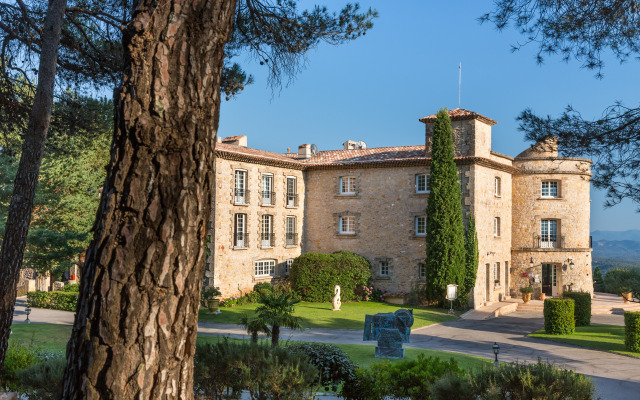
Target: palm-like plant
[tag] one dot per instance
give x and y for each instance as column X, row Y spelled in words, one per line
column 254, row 325
column 277, row 311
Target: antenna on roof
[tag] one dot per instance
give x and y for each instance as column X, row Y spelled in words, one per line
column 459, row 83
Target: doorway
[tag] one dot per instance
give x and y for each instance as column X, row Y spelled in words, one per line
column 550, row 279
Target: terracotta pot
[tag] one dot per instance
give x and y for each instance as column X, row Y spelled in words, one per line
column 526, row 297
column 542, row 296
column 626, row 296
column 213, row 305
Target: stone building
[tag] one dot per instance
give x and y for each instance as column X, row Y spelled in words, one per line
column 531, row 211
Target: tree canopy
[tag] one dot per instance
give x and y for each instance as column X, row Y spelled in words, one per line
column 584, row 31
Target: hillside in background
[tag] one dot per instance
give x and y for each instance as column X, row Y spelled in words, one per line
column 616, row 249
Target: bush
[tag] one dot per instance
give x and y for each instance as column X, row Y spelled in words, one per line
column 18, row 357
column 526, row 289
column 314, row 275
column 267, row 287
column 623, row 280
column 582, row 311
column 73, row 288
column 410, row 379
column 559, row 316
column 224, row 369
column 58, row 300
column 333, row 365
column 43, row 380
column 632, row 330
column 516, row 382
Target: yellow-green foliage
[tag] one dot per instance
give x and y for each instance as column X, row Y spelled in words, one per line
column 559, row 316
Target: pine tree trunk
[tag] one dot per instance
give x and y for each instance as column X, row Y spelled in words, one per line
column 24, row 189
column 136, row 322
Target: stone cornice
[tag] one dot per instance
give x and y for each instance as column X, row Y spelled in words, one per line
column 260, row 160
column 551, row 250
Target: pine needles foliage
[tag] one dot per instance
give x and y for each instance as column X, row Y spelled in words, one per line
column 445, row 229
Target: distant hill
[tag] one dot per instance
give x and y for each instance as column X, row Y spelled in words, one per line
column 633, row 234
column 621, row 250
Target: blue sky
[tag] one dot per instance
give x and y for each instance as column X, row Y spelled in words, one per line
column 375, row 88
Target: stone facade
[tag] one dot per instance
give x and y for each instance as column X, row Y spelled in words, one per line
column 370, row 202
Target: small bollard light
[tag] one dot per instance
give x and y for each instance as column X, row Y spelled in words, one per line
column 27, row 311
column 496, row 351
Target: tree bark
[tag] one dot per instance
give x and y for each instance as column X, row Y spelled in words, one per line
column 21, row 206
column 275, row 335
column 136, row 321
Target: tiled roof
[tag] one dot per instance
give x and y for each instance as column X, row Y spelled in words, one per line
column 230, row 149
column 460, row 114
column 376, row 154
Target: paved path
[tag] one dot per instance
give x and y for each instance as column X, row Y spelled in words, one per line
column 615, row 376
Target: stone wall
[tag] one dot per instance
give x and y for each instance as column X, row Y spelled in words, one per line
column 232, row 269
column 571, row 211
column 385, row 207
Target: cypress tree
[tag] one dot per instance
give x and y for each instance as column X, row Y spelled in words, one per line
column 472, row 256
column 445, row 229
column 598, row 280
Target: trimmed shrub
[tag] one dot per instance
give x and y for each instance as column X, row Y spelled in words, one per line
column 223, row 370
column 559, row 316
column 410, row 379
column 632, row 330
column 516, row 382
column 334, row 366
column 314, row 275
column 57, row 300
column 73, row 287
column 582, row 311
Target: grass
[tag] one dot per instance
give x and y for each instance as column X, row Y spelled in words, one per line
column 599, row 337
column 53, row 338
column 320, row 315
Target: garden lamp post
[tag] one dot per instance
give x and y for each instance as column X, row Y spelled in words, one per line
column 496, row 351
column 452, row 294
column 27, row 311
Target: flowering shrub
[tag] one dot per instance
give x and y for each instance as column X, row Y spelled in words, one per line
column 369, row 293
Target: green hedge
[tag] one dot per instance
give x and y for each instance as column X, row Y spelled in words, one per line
column 57, row 300
column 559, row 316
column 632, row 330
column 582, row 307
column 314, row 275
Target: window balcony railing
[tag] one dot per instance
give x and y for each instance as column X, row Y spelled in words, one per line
column 548, row 242
column 291, row 239
column 292, row 200
column 267, row 240
column 268, row 198
column 241, row 196
column 241, row 240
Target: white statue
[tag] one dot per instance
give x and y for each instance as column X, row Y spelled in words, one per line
column 336, row 299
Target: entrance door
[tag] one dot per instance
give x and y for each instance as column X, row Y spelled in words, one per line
column 549, row 279
column 488, row 287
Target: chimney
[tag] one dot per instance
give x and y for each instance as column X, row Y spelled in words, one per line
column 240, row 140
column 353, row 145
column 218, row 139
column 304, row 151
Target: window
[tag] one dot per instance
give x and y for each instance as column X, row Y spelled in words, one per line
column 384, row 268
column 549, row 189
column 549, row 233
column 287, row 266
column 496, row 227
column 348, row 225
column 266, row 235
column 292, row 192
column 496, row 272
column 422, row 183
column 348, row 185
column 240, row 192
column 240, row 231
column 421, row 225
column 422, row 270
column 497, row 186
column 267, row 189
column 290, row 231
column 265, row 267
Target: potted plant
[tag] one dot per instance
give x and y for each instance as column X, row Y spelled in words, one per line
column 496, row 282
column 526, row 293
column 626, row 293
column 210, row 296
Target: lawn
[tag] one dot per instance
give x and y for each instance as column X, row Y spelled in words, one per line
column 53, row 338
column 599, row 337
column 320, row 315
